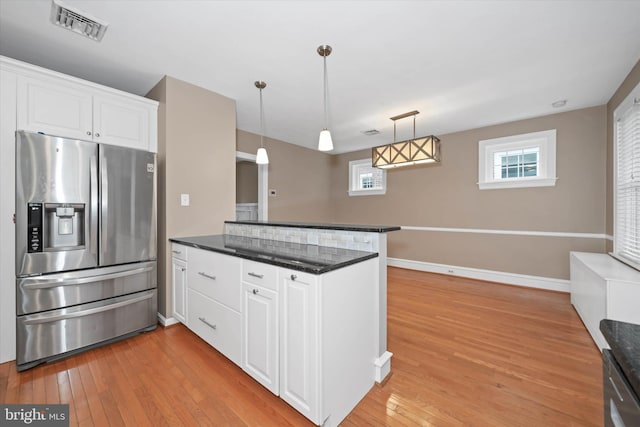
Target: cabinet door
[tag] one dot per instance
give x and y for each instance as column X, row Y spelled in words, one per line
column 119, row 121
column 260, row 335
column 179, row 279
column 54, row 108
column 299, row 349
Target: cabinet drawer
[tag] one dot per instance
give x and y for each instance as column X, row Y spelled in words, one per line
column 216, row 276
column 260, row 274
column 216, row 324
column 179, row 251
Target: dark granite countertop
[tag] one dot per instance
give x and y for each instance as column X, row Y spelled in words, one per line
column 308, row 258
column 323, row 226
column 624, row 340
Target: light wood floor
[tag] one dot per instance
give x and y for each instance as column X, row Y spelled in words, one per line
column 465, row 353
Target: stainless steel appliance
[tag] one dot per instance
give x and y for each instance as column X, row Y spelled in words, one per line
column 85, row 245
column 621, row 403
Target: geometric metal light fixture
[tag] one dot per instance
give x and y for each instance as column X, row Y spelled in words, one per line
column 324, row 141
column 414, row 151
column 261, row 156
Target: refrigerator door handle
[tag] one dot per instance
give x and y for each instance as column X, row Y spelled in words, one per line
column 104, row 182
column 47, row 318
column 42, row 283
column 93, row 236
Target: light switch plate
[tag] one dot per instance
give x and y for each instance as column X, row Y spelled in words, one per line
column 184, row 200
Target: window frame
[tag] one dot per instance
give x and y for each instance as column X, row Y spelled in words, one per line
column 618, row 252
column 544, row 140
column 354, row 173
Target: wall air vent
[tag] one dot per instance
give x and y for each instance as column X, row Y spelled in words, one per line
column 371, row 132
column 77, row 21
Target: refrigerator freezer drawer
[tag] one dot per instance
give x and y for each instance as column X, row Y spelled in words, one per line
column 53, row 291
column 44, row 335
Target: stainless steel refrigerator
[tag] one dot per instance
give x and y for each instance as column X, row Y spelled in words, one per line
column 85, row 245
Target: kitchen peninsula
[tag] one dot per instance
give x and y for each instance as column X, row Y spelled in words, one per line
column 301, row 307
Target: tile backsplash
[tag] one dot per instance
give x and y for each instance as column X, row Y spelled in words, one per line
column 357, row 240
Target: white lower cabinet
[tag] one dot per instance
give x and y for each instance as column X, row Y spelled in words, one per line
column 299, row 352
column 603, row 288
column 328, row 340
column 213, row 300
column 310, row 339
column 260, row 323
column 179, row 277
column 216, row 324
column 260, row 335
column 179, row 280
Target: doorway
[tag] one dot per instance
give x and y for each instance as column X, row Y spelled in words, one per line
column 249, row 184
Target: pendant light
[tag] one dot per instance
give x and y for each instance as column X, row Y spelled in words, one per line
column 413, row 151
column 324, row 142
column 261, row 157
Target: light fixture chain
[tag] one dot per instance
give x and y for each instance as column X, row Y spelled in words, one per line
column 414, row 127
column 326, row 124
column 261, row 121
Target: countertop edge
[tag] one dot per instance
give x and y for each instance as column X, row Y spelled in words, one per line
column 316, row 271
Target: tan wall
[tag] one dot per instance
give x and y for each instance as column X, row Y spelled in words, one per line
column 196, row 155
column 246, row 182
column 300, row 176
column 447, row 195
column 630, row 82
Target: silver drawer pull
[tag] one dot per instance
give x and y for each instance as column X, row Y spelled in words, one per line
column 616, row 389
column 203, row 320
column 177, row 252
column 203, row 274
column 259, row 276
column 294, row 277
column 255, row 291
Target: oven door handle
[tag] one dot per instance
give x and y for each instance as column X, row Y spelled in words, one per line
column 48, row 318
column 46, row 283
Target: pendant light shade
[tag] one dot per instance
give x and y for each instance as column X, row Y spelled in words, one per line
column 261, row 157
column 324, row 142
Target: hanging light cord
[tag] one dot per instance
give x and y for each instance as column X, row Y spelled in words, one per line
column 324, row 57
column 261, row 121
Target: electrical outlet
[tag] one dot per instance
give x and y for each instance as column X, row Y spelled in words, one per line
column 184, row 200
column 272, row 192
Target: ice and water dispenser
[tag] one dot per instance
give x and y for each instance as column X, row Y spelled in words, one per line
column 55, row 226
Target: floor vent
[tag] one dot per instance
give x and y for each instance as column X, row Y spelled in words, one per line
column 76, row 21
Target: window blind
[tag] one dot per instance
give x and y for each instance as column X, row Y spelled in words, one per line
column 626, row 236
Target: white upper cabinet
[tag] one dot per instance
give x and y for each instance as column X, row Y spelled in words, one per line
column 54, row 108
column 60, row 105
column 121, row 122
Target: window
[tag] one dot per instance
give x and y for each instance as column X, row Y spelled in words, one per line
column 626, row 187
column 527, row 160
column 365, row 180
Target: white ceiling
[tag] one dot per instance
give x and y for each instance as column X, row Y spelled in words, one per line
column 462, row 64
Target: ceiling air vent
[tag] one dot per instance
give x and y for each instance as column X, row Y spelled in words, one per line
column 371, row 132
column 77, row 21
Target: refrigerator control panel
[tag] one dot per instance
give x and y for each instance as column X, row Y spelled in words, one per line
column 34, row 228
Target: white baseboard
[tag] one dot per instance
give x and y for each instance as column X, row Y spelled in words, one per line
column 490, row 275
column 382, row 366
column 164, row 321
